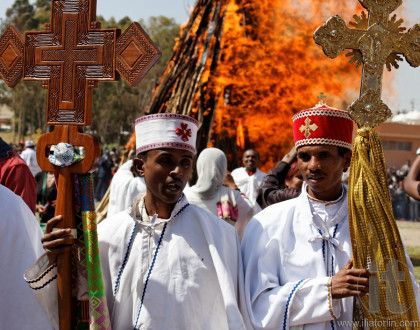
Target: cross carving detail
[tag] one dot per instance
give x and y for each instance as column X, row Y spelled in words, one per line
column 308, row 127
column 68, row 56
column 71, row 58
column 377, row 41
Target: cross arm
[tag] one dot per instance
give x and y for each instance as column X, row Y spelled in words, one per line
column 334, row 36
column 409, row 46
column 11, row 56
column 135, row 54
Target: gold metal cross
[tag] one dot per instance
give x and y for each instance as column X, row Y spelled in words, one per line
column 377, row 41
column 308, row 127
column 321, row 97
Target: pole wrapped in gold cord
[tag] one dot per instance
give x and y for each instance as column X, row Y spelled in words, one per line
column 375, row 238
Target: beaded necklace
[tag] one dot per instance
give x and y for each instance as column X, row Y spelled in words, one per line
column 148, row 275
column 127, row 254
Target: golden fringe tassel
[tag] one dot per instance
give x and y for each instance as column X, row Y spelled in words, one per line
column 376, row 241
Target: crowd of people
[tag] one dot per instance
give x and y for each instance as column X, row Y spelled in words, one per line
column 405, row 207
column 236, row 250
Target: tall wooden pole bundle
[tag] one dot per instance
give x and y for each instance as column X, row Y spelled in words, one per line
column 185, row 85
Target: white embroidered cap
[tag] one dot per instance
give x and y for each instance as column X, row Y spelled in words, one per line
column 166, row 130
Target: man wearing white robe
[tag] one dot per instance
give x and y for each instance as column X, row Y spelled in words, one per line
column 29, row 156
column 166, row 264
column 20, row 246
column 249, row 178
column 297, row 253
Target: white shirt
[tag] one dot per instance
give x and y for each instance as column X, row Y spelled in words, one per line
column 290, row 250
column 196, row 281
column 20, row 246
column 249, row 184
column 29, row 156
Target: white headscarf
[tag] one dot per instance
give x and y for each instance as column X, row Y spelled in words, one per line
column 211, row 171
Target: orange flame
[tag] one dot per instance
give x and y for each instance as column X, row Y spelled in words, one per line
column 271, row 68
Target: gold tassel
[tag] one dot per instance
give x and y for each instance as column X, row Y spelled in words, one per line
column 376, row 240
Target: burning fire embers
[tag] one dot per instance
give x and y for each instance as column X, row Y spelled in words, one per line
column 243, row 68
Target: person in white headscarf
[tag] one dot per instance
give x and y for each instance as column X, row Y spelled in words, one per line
column 125, row 186
column 210, row 194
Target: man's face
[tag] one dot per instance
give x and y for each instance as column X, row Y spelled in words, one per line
column 250, row 160
column 166, row 172
column 322, row 167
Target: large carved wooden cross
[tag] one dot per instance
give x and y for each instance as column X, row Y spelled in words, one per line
column 376, row 41
column 71, row 56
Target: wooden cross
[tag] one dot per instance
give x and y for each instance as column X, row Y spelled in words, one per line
column 376, row 41
column 70, row 57
column 308, row 127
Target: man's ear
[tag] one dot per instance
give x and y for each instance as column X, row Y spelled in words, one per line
column 139, row 165
column 347, row 160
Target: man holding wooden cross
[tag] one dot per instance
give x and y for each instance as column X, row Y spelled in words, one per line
column 166, row 263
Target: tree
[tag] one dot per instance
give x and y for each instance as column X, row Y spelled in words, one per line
column 28, row 100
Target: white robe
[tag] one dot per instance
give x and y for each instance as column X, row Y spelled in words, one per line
column 287, row 264
column 124, row 187
column 196, row 281
column 20, row 246
column 249, row 184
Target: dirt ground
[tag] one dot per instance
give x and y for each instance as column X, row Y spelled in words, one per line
column 410, row 232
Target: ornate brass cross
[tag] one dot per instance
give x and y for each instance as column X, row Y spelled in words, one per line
column 321, row 97
column 70, row 57
column 308, row 127
column 376, row 41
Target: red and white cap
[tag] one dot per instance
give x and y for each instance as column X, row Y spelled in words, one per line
column 166, row 130
column 323, row 125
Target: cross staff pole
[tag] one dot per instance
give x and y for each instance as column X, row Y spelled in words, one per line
column 376, row 243
column 70, row 57
column 65, row 201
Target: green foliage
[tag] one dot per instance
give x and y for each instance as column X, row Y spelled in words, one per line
column 22, row 16
column 115, row 105
column 163, row 30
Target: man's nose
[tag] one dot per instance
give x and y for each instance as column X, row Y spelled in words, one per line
column 177, row 171
column 314, row 164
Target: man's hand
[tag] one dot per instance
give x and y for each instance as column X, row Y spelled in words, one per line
column 349, row 282
column 56, row 242
column 229, row 181
column 40, row 209
column 291, row 156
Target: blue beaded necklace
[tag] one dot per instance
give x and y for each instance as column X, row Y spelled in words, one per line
column 148, row 275
column 127, row 254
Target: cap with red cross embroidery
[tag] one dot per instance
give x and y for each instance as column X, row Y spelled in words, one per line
column 323, row 125
column 166, row 130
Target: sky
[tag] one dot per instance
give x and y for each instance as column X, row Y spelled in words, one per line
column 406, row 85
